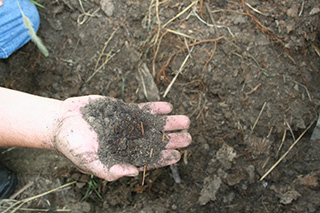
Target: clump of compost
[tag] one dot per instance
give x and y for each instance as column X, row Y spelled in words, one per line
column 126, row 133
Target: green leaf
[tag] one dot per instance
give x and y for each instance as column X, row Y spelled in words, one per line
column 36, row 3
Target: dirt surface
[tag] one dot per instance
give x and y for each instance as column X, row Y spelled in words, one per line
column 245, row 72
column 126, row 133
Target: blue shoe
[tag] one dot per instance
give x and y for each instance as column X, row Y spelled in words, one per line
column 8, row 182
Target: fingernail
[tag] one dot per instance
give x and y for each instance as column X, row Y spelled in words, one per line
column 132, row 175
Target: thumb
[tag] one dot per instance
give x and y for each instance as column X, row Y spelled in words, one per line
column 120, row 170
column 115, row 172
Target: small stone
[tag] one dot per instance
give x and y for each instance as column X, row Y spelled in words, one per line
column 264, row 183
column 234, row 179
column 314, row 11
column 80, row 185
column 74, row 16
column 107, row 6
column 288, row 197
column 84, row 178
column 225, row 156
column 75, row 176
column 240, row 19
column 210, row 189
column 174, row 207
column 228, row 198
column 250, row 170
column 106, row 205
column 293, row 11
column 106, row 120
column 244, row 186
column 206, row 146
column 81, row 207
column 309, row 180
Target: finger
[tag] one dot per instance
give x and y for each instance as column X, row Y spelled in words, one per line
column 157, row 107
column 178, row 140
column 98, row 169
column 115, row 172
column 169, row 156
column 120, row 170
column 176, row 122
column 1, row 3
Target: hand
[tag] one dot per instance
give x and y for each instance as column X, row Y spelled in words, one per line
column 1, row 3
column 74, row 138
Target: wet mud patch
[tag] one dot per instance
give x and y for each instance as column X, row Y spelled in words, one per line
column 126, row 133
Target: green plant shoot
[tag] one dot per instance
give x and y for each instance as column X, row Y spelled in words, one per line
column 33, row 34
column 36, row 3
column 92, row 187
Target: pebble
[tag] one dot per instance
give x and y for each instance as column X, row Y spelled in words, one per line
column 107, row 6
column 264, row 183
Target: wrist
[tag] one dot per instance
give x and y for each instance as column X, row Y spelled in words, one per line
column 27, row 120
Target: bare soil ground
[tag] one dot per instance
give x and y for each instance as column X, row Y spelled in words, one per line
column 245, row 72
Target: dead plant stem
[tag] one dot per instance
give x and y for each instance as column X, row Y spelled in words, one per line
column 176, row 76
column 179, row 14
column 260, row 113
column 287, row 152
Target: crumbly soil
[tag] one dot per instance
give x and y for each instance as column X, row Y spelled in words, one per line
column 249, row 95
column 126, row 133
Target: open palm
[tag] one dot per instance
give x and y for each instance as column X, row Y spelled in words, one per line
column 77, row 141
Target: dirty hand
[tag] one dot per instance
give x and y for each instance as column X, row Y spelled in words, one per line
column 77, row 141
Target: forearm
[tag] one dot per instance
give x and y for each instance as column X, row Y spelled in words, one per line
column 27, row 120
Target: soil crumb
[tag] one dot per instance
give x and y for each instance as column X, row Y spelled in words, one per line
column 126, row 133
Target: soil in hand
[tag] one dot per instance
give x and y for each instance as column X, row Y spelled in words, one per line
column 126, row 133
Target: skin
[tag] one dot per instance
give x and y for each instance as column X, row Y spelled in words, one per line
column 36, row 122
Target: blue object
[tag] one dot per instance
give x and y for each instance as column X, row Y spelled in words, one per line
column 316, row 132
column 8, row 181
column 13, row 33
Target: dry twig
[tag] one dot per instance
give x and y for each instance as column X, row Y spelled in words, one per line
column 175, row 77
column 309, row 96
column 264, row 29
column 301, row 10
column 181, row 13
column 20, row 203
column 211, row 56
column 144, row 174
column 21, row 190
column 287, row 152
column 254, row 9
column 212, row 19
column 255, row 123
column 108, row 57
column 288, row 125
column 228, row 10
column 162, row 70
column 85, row 14
column 142, row 129
column 283, row 138
column 180, row 34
